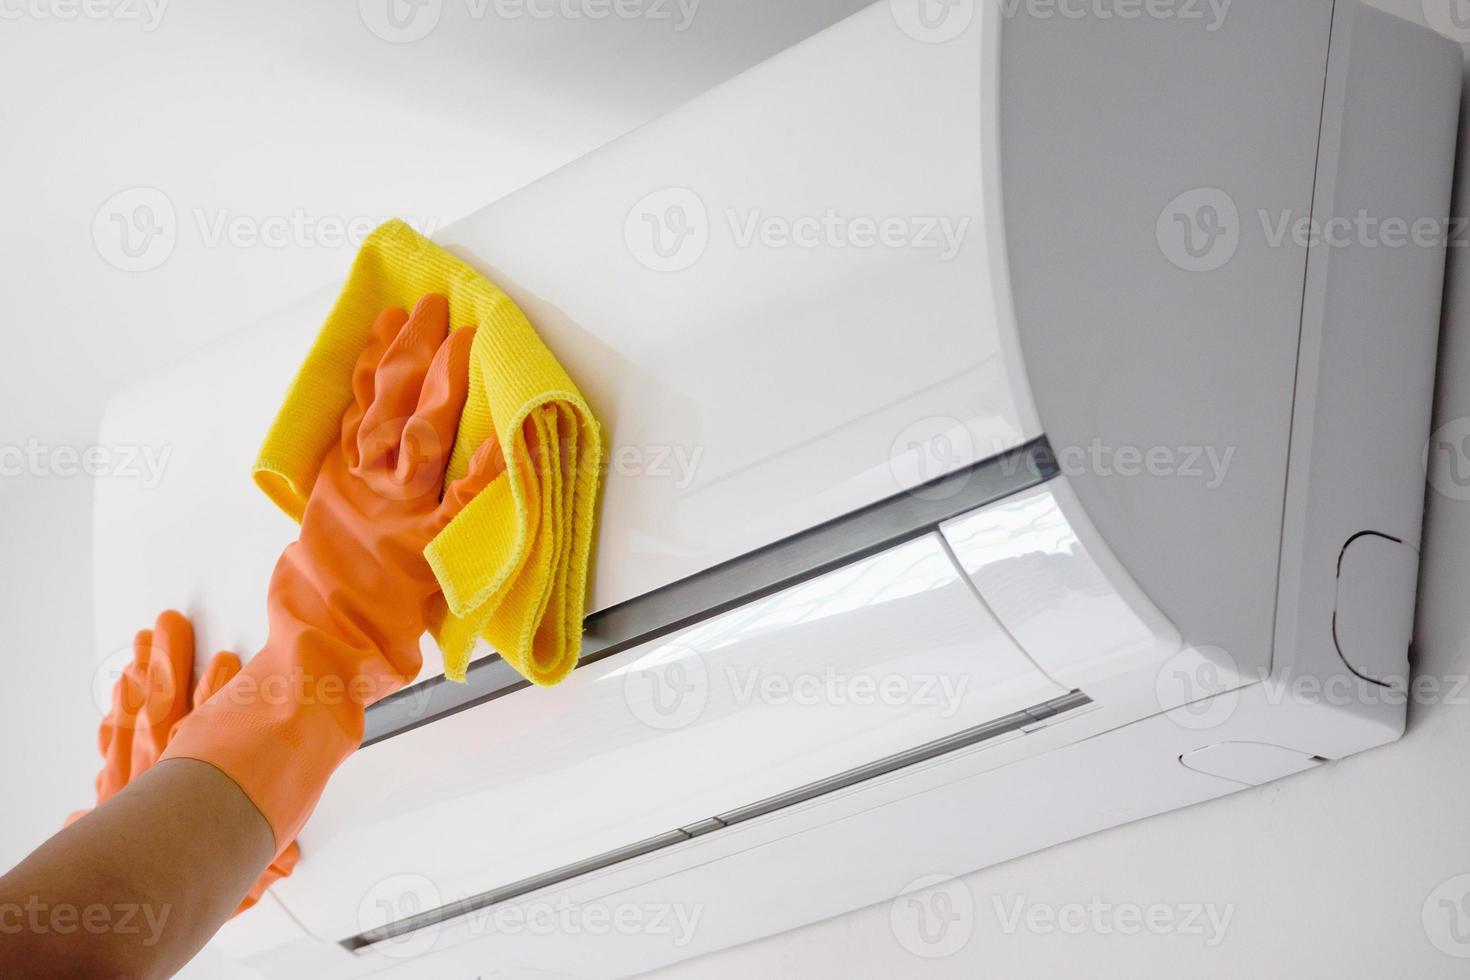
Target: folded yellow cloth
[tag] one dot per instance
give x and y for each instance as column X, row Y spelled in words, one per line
column 513, row 564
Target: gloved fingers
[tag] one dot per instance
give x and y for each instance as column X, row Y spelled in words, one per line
column 132, row 686
column 113, row 775
column 385, row 328
column 129, row 697
column 428, row 437
column 130, row 693
column 115, row 736
column 171, row 662
column 486, row 466
column 111, row 722
column 281, row 867
column 398, row 382
column 166, row 695
column 285, row 862
column 222, row 667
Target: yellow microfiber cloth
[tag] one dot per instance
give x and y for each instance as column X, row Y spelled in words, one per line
column 513, row 564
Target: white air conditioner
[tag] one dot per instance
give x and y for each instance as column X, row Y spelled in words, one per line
column 996, row 456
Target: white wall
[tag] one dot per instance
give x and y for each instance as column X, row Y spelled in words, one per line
column 1335, row 873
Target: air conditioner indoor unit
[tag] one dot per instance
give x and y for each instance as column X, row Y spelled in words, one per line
column 1016, row 425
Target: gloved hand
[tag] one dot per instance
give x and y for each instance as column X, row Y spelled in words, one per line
column 149, row 700
column 350, row 599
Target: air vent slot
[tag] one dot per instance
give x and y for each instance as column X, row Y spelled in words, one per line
column 746, row 579
column 1049, row 711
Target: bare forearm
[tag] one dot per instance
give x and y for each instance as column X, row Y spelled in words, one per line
column 138, row 886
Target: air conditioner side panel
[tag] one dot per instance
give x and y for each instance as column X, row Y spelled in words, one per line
column 1164, row 380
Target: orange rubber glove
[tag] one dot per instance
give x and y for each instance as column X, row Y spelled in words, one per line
column 149, row 701
column 351, row 597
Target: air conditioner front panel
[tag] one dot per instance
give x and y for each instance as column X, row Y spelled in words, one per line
column 739, row 394
column 754, row 350
column 1045, row 574
column 875, row 658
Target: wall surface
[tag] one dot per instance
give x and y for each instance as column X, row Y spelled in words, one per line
column 287, row 121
